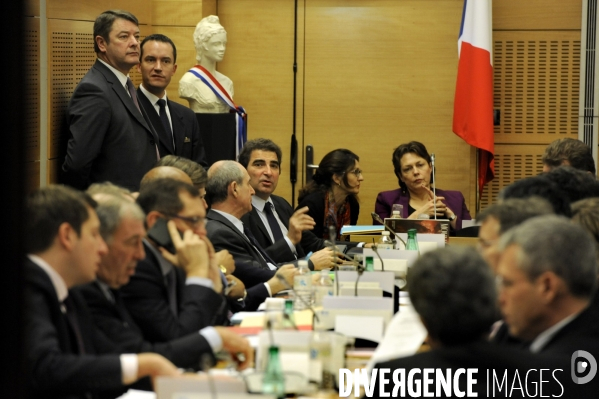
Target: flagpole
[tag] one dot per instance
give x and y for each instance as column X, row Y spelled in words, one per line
column 477, row 197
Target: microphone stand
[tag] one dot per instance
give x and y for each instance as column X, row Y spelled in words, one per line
column 205, row 364
column 434, row 189
column 290, row 288
column 332, row 239
column 376, row 251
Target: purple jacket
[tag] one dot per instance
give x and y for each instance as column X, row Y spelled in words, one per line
column 453, row 199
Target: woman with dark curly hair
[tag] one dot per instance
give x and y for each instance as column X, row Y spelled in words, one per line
column 332, row 195
column 413, row 168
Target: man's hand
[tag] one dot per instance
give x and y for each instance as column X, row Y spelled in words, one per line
column 154, row 365
column 223, row 257
column 192, row 252
column 236, row 345
column 214, row 272
column 288, row 272
column 299, row 222
column 238, row 289
column 325, row 259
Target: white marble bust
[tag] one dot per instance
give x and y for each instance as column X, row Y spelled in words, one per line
column 210, row 40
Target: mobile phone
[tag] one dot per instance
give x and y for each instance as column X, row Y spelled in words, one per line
column 160, row 235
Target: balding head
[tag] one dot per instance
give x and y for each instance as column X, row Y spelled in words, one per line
column 165, row 172
column 228, row 188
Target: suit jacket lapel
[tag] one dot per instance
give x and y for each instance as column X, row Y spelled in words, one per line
column 178, row 128
column 154, row 118
column 281, row 207
column 121, row 92
column 218, row 217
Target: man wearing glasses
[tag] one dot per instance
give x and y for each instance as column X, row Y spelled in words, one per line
column 167, row 301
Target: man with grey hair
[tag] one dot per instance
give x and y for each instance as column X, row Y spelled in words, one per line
column 453, row 291
column 230, row 194
column 122, row 227
column 548, row 275
column 498, row 218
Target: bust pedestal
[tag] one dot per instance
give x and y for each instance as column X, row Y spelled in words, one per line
column 218, row 132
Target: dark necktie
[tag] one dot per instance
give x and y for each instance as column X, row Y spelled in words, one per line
column 272, row 222
column 171, row 286
column 133, row 93
column 256, row 244
column 164, row 119
column 74, row 324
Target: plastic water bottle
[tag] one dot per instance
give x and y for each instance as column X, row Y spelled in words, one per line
column 385, row 242
column 323, row 287
column 302, row 285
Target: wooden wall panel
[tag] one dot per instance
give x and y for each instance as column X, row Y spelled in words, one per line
column 512, row 162
column 31, row 8
column 32, row 176
column 70, row 55
column 259, row 60
column 382, row 73
column 53, row 167
column 545, row 15
column 537, row 82
column 31, row 85
column 181, row 12
column 88, row 10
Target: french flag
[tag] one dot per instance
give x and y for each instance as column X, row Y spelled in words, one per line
column 473, row 103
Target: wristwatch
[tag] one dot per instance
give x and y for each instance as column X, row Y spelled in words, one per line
column 454, row 217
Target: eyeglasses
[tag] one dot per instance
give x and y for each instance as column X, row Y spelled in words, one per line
column 357, row 172
column 194, row 221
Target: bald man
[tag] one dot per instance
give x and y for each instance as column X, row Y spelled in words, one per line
column 165, row 172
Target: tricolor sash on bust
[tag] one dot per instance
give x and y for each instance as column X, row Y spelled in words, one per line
column 220, row 92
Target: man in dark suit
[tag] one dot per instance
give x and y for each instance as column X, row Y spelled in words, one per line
column 168, row 301
column 122, row 227
column 110, row 138
column 65, row 247
column 177, row 126
column 272, row 221
column 548, row 274
column 229, row 193
column 453, row 291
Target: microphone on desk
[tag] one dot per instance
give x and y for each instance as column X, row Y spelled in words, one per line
column 290, row 288
column 434, row 190
column 205, row 364
column 376, row 251
column 332, row 239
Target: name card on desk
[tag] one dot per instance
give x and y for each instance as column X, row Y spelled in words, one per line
column 289, row 342
column 384, row 279
column 366, row 327
column 187, row 385
column 334, row 306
